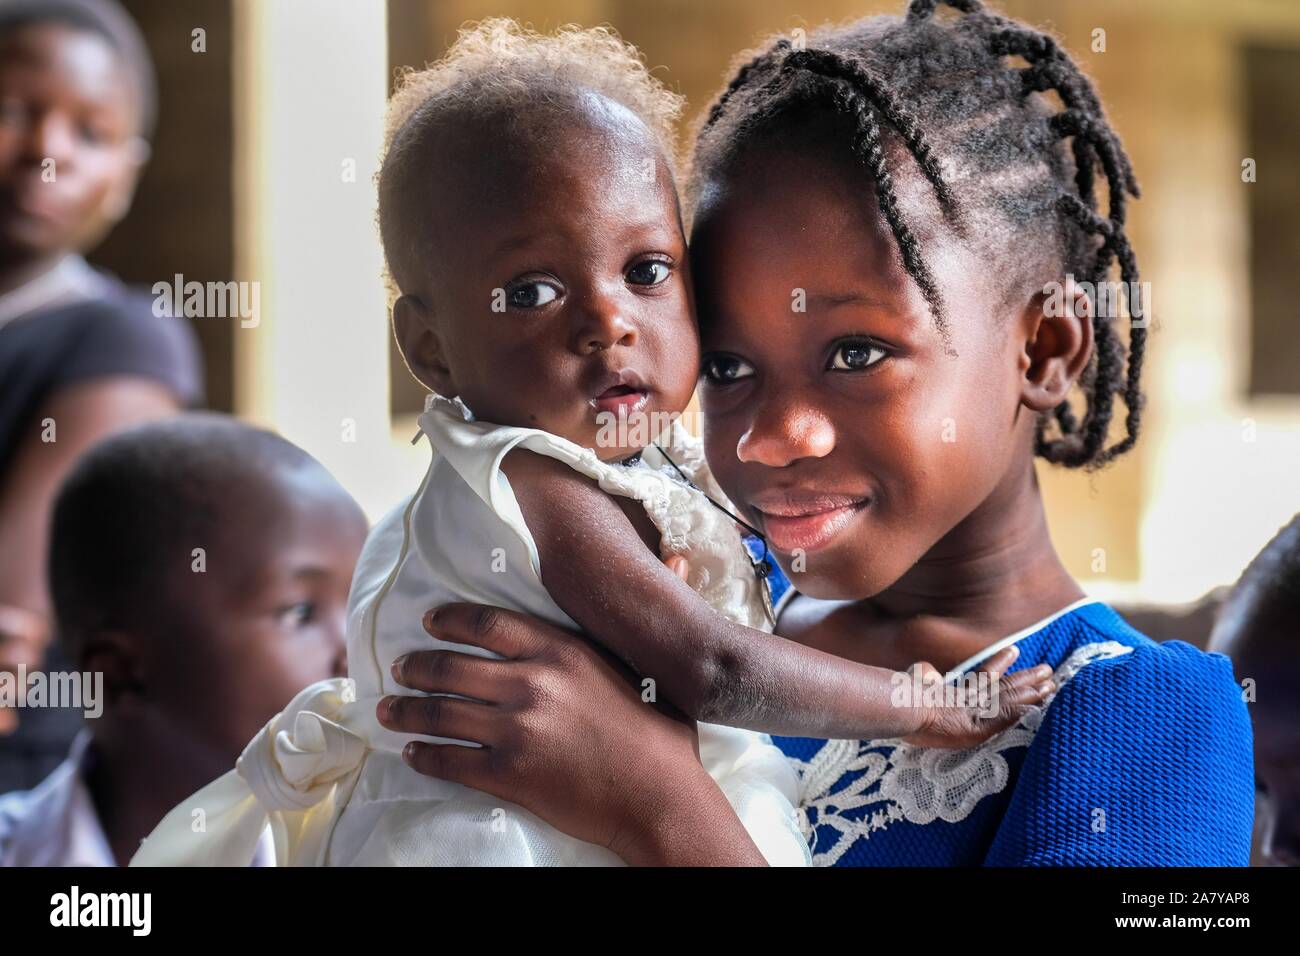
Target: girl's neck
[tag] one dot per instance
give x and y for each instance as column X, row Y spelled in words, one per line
column 996, row 564
column 995, row 573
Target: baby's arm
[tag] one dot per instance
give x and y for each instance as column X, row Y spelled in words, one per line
column 597, row 567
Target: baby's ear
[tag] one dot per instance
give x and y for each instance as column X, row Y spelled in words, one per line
column 417, row 337
column 1057, row 330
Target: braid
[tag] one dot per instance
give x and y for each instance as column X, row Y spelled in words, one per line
column 853, row 89
column 944, row 88
column 924, row 9
column 1093, row 143
column 742, row 78
column 876, row 94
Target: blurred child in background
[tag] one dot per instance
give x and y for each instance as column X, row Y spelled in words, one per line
column 202, row 566
column 81, row 356
column 1259, row 627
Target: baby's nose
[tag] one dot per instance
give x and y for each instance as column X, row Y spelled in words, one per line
column 603, row 326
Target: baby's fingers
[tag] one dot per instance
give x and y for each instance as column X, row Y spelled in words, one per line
column 1029, row 677
column 997, row 665
column 1027, row 692
column 679, row 566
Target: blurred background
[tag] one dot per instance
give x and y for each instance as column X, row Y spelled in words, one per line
column 269, row 139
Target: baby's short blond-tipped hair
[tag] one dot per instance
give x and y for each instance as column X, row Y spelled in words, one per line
column 493, row 67
column 500, row 59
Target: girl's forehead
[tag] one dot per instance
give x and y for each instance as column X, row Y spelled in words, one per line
column 77, row 61
column 815, row 215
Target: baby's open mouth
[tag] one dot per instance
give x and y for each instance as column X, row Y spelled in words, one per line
column 620, row 399
column 620, row 393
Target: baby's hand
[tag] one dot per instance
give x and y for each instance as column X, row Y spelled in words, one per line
column 979, row 704
column 679, row 566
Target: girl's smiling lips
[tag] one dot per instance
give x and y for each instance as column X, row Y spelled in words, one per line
column 799, row 519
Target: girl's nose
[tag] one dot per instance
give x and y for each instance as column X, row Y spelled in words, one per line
column 50, row 136
column 783, row 430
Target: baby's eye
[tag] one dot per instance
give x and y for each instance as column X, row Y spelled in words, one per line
column 855, row 356
column 725, row 369
column 650, row 272
column 532, row 294
column 298, row 614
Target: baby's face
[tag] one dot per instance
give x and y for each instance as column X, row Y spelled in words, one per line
column 558, row 295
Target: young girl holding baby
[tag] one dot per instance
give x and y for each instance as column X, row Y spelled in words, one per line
column 531, row 227
column 911, row 183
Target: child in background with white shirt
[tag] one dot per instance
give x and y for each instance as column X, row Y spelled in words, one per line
column 197, row 649
column 531, row 226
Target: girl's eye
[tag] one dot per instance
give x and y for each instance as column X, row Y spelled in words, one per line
column 531, row 295
column 725, row 369
column 298, row 614
column 855, row 356
column 651, row 272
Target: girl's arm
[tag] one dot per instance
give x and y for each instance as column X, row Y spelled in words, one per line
column 600, row 569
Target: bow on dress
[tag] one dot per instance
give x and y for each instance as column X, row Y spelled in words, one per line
column 287, row 777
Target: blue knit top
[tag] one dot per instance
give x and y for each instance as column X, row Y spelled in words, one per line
column 1142, row 758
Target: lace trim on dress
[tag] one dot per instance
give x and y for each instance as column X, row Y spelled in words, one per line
column 720, row 569
column 899, row 781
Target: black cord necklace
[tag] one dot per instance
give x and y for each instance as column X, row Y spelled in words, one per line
column 762, row 567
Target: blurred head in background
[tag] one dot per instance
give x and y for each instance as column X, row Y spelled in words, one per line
column 1259, row 627
column 77, row 107
column 203, row 567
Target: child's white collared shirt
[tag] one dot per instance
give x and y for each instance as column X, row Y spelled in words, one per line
column 55, row 823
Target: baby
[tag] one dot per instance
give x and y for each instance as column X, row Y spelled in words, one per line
column 532, row 231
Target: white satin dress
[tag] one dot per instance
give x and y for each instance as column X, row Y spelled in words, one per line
column 330, row 781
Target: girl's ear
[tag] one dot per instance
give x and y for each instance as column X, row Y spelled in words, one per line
column 420, row 345
column 1058, row 343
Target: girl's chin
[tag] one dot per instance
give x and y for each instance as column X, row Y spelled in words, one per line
column 827, row 583
column 839, row 574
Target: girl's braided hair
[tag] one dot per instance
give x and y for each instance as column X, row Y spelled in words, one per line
column 964, row 98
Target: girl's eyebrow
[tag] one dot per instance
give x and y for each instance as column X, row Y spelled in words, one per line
column 850, row 297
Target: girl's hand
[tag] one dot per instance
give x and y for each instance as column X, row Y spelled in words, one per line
column 565, row 734
column 986, row 702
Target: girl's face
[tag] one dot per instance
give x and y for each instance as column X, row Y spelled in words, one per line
column 69, row 149
column 837, row 416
